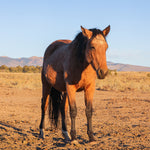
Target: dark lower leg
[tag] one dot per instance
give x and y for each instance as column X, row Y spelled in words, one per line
column 63, row 116
column 89, row 122
column 64, row 108
column 45, row 98
column 42, row 115
column 43, row 108
column 42, row 120
column 73, row 113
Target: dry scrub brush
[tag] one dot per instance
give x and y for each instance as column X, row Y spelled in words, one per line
column 125, row 81
column 116, row 81
column 20, row 80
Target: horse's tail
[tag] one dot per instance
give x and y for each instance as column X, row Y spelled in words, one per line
column 54, row 107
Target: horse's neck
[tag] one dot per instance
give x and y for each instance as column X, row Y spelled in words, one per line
column 76, row 61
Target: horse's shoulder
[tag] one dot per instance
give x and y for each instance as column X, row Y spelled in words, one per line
column 52, row 47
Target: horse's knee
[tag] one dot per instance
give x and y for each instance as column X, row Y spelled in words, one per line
column 88, row 112
column 73, row 111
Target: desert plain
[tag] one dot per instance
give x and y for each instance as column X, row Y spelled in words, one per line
column 121, row 115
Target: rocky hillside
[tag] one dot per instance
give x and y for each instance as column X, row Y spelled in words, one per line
column 127, row 67
column 13, row 62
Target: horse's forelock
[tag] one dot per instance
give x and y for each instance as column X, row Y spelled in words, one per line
column 80, row 42
column 96, row 32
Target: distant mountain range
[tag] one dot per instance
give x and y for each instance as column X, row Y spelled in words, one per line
column 37, row 61
column 13, row 62
column 127, row 67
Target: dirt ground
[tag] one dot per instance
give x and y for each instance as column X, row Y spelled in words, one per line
column 121, row 120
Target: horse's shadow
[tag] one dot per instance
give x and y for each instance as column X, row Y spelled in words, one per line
column 17, row 130
column 34, row 133
column 4, row 126
column 60, row 142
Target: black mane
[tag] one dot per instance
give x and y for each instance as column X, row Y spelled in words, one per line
column 81, row 41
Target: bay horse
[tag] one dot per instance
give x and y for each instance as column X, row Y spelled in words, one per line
column 69, row 67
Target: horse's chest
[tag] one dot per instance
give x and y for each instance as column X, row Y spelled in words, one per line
column 88, row 76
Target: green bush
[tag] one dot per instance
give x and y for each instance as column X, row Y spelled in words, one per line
column 19, row 68
column 4, row 68
column 148, row 75
column 25, row 69
column 109, row 72
column 115, row 72
column 112, row 72
column 13, row 69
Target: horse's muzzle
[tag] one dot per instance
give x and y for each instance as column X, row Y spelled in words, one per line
column 101, row 73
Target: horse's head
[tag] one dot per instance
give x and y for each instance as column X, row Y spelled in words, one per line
column 96, row 47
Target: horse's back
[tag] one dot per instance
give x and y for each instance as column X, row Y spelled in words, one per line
column 55, row 45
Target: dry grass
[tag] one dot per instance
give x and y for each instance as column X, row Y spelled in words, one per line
column 125, row 81
column 121, row 120
column 120, row 81
column 20, row 80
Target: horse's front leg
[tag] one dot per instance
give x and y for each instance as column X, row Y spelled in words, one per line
column 89, row 93
column 71, row 90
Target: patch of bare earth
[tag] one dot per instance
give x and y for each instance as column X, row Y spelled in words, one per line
column 121, row 120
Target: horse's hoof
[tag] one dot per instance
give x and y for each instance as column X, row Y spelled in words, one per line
column 93, row 141
column 41, row 134
column 75, row 142
column 66, row 136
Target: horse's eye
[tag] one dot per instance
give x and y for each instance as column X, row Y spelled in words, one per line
column 92, row 48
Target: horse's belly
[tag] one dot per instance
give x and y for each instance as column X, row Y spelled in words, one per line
column 55, row 78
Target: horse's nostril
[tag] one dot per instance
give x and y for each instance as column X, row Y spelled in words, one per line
column 101, row 74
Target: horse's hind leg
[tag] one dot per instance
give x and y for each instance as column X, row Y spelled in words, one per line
column 44, row 104
column 64, row 108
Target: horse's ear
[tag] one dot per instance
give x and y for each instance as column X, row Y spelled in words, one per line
column 87, row 33
column 106, row 30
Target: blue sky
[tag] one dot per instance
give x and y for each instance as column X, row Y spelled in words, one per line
column 27, row 27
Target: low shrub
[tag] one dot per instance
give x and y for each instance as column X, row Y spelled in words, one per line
column 25, row 69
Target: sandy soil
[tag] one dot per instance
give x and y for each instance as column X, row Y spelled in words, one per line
column 121, row 120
